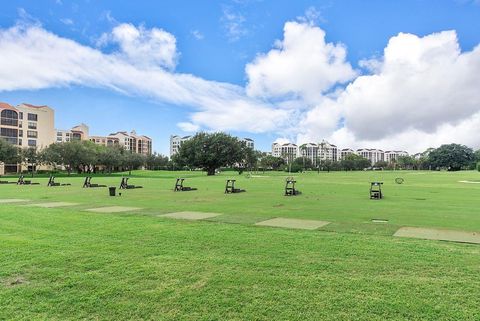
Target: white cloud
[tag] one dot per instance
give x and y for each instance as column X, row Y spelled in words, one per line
column 40, row 59
column 66, row 21
column 234, row 24
column 188, row 127
column 421, row 93
column 302, row 65
column 197, row 34
column 143, row 46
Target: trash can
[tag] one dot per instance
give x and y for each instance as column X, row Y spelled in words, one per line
column 112, row 190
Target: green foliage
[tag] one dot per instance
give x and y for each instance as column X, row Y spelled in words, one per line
column 381, row 164
column 453, row 157
column 212, row 151
column 303, row 162
column 82, row 155
column 354, row 162
column 272, row 162
column 156, row 161
column 8, row 153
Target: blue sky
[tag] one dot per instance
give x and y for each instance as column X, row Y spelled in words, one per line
column 215, row 40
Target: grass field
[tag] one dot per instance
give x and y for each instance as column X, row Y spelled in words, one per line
column 67, row 263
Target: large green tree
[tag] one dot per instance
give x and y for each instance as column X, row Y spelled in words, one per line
column 453, row 157
column 272, row 162
column 8, row 153
column 74, row 155
column 211, row 151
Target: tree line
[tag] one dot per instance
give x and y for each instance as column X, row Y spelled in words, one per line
column 212, row 151
column 81, row 156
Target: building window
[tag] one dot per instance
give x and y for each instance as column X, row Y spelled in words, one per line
column 19, row 142
column 9, row 117
column 20, row 133
column 59, row 139
column 59, row 134
column 32, row 142
column 32, row 134
column 32, row 125
column 76, row 136
column 10, row 135
column 20, row 115
column 33, row 117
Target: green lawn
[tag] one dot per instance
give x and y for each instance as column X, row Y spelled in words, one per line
column 65, row 263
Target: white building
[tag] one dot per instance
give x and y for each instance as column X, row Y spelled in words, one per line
column 175, row 143
column 327, row 151
column 373, row 155
column 391, row 156
column 248, row 142
column 286, row 151
column 345, row 152
column 309, row 151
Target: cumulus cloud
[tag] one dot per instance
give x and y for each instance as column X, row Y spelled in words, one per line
column 40, row 59
column 140, row 45
column 301, row 65
column 422, row 92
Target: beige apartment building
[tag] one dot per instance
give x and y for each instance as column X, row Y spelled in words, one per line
column 27, row 125
column 24, row 126
column 79, row 132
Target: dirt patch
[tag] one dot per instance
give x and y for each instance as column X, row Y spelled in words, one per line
column 439, row 234
column 379, row 220
column 195, row 216
column 15, row 281
column 278, row 205
column 293, row 223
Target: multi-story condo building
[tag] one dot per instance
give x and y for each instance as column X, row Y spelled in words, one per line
column 327, row 151
column 345, row 152
column 287, row 151
column 309, row 151
column 79, row 132
column 319, row 152
column 105, row 140
column 27, row 125
column 176, row 141
column 248, row 142
column 391, row 156
column 135, row 143
column 373, row 155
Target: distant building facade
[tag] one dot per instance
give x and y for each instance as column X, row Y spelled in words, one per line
column 176, row 141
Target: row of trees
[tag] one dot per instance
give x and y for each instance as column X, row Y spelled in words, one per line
column 213, row 151
column 81, row 156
